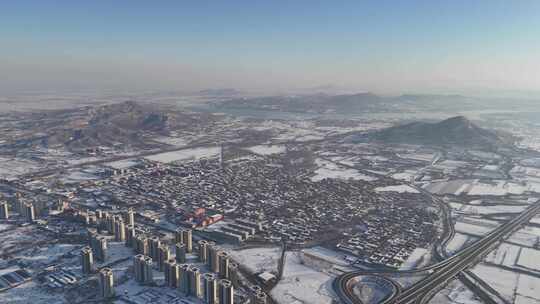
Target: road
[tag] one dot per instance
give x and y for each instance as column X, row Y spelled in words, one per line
column 443, row 272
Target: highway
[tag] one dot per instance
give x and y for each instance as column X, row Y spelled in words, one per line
column 443, row 272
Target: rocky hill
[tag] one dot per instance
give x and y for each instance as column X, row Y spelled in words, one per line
column 457, row 131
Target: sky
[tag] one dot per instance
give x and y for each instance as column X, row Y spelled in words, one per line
column 389, row 47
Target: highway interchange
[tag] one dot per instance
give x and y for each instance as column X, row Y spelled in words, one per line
column 438, row 274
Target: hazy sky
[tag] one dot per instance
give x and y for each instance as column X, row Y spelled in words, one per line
column 382, row 46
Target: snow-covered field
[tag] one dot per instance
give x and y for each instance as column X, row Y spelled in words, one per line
column 267, row 149
column 302, row 285
column 528, row 287
column 406, row 175
column 416, row 258
column 483, row 210
column 504, row 281
column 329, row 169
column 476, row 187
column 173, row 141
column 78, row 176
column 505, row 254
column 527, row 236
column 187, row 154
column 473, row 228
column 426, row 157
column 455, row 293
column 12, row 167
column 529, row 258
column 122, row 164
column 43, row 255
column 458, row 242
column 31, row 290
column 372, row 290
column 258, row 259
column 397, row 188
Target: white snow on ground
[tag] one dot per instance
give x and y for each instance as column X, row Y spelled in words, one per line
column 31, row 290
column 525, row 300
column 267, row 149
column 427, row 157
column 500, row 188
column 483, row 210
column 122, row 164
column 490, row 167
column 331, row 170
column 456, row 206
column 533, row 162
column 527, row 236
column 77, row 161
column 187, row 154
column 450, row 165
column 78, row 176
column 505, row 254
column 455, row 293
column 12, row 167
column 44, row 255
column 336, row 258
column 375, row 158
column 525, row 171
column 309, row 137
column 173, row 141
column 528, row 286
column 503, row 281
column 535, row 220
column 414, row 259
column 476, row 230
column 476, row 187
column 9, row 269
column 371, row 290
column 258, row 259
column 6, row 226
column 397, row 188
column 407, row 175
column 302, row 285
column 458, row 242
column 529, row 258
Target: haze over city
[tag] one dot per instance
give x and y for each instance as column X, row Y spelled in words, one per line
column 387, row 47
column 270, row 152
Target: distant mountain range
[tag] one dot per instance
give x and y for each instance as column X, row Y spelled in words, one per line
column 316, row 103
column 368, row 102
column 455, row 131
column 125, row 123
